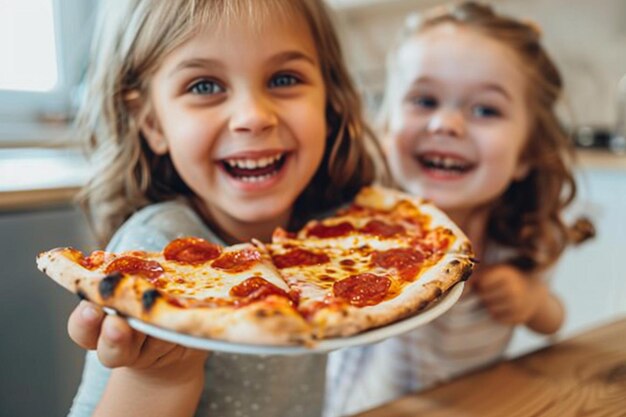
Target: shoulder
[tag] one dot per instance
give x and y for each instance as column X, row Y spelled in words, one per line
column 163, row 215
column 152, row 227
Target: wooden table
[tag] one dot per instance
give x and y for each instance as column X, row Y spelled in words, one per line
column 581, row 376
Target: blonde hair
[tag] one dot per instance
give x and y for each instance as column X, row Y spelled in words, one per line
column 132, row 38
column 527, row 217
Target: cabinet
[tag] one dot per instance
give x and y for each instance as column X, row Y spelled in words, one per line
column 41, row 366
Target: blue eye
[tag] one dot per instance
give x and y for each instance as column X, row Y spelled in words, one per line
column 425, row 102
column 283, row 80
column 485, row 111
column 206, row 87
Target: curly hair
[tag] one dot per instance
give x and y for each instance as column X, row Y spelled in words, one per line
column 527, row 216
column 131, row 41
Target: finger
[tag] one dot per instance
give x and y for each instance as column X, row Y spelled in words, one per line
column 494, row 295
column 504, row 317
column 489, row 282
column 84, row 324
column 499, row 309
column 152, row 351
column 118, row 345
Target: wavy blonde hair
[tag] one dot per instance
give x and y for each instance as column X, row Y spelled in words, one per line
column 527, row 217
column 132, row 38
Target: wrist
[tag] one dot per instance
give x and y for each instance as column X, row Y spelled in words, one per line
column 187, row 370
column 170, row 390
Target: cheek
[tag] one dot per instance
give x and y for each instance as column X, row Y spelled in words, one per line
column 191, row 152
column 312, row 131
column 400, row 158
column 192, row 133
column 406, row 130
column 402, row 145
column 503, row 145
column 501, row 161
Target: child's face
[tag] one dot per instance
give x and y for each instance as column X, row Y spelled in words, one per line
column 242, row 114
column 459, row 119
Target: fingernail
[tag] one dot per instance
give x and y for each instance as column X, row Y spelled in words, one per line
column 89, row 313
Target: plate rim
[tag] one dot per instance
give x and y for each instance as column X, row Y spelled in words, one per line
column 444, row 303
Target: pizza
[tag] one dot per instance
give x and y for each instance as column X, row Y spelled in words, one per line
column 384, row 257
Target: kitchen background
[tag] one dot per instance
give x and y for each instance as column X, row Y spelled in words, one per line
column 40, row 367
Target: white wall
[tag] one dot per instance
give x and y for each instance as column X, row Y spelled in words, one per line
column 586, row 38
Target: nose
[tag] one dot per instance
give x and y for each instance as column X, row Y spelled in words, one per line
column 447, row 121
column 252, row 114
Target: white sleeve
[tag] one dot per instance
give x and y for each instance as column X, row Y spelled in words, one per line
column 94, row 381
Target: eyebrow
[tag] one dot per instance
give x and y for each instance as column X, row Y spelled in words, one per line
column 196, row 63
column 483, row 86
column 279, row 58
column 498, row 89
column 287, row 56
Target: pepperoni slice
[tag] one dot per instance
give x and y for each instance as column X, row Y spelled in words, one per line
column 299, row 257
column 95, row 260
column 363, row 289
column 135, row 266
column 256, row 288
column 382, row 229
column 191, row 250
column 398, row 258
column 237, row 261
column 323, row 231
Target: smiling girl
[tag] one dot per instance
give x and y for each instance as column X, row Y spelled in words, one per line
column 222, row 119
column 469, row 123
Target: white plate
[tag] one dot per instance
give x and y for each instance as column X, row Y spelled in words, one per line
column 371, row 336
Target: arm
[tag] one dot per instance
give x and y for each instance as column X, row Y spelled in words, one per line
column 512, row 297
column 549, row 314
column 150, row 376
column 172, row 390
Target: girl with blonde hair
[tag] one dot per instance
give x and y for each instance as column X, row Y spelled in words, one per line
column 222, row 119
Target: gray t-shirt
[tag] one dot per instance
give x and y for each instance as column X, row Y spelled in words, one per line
column 235, row 385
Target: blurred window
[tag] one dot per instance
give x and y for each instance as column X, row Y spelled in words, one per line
column 27, row 46
column 43, row 48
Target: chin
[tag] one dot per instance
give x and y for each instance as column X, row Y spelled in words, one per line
column 412, row 187
column 443, row 202
column 260, row 213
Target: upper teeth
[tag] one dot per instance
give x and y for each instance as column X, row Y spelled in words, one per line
column 253, row 163
column 444, row 161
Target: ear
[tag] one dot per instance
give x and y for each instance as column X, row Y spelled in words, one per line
column 151, row 129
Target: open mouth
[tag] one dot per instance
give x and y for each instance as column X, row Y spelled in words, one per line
column 254, row 169
column 444, row 163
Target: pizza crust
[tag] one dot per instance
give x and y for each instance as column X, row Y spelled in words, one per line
column 437, row 280
column 270, row 321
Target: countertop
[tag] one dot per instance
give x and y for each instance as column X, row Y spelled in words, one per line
column 37, row 177
column 583, row 375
